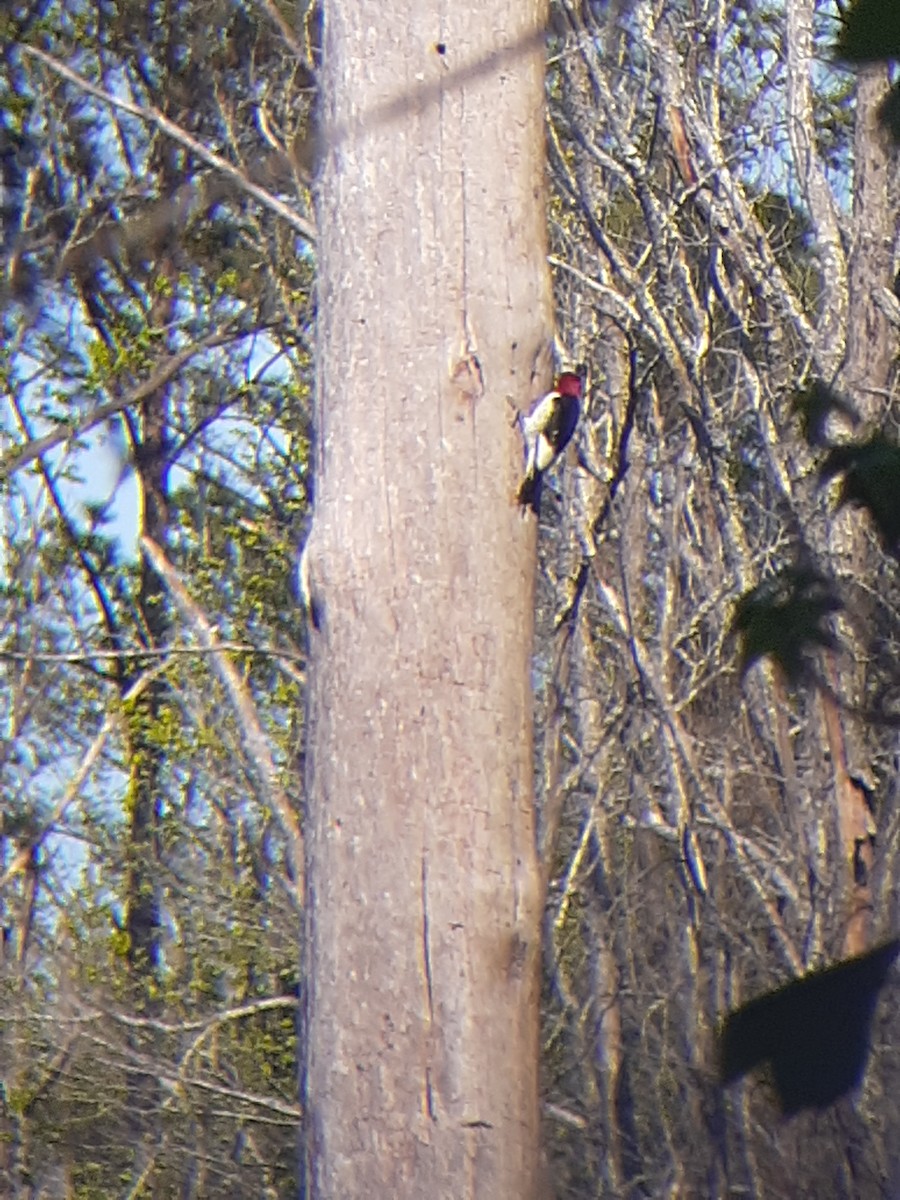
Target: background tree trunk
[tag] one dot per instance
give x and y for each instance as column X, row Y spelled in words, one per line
column 867, row 375
column 424, row 894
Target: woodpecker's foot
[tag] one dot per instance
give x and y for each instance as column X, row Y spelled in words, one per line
column 529, row 495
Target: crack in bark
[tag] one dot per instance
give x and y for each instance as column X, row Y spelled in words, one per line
column 429, row 994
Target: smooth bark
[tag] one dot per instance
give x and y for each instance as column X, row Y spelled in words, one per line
column 423, row 890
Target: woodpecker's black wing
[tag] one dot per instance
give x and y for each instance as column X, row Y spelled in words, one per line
column 813, row 1032
column 562, row 422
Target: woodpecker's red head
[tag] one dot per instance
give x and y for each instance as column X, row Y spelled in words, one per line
column 570, row 384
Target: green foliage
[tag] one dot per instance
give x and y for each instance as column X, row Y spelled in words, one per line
column 134, row 256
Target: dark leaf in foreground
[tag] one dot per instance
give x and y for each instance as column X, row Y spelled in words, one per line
column 889, row 113
column 871, row 479
column 870, row 31
column 813, row 1033
column 783, row 618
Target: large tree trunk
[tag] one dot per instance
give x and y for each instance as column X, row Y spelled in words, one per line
column 868, row 368
column 423, row 889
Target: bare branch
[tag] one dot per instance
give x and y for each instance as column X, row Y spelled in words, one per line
column 255, row 742
column 88, row 655
column 36, row 447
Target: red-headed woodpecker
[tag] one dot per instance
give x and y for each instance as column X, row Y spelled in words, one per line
column 547, row 430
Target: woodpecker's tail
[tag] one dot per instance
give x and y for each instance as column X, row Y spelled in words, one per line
column 530, row 492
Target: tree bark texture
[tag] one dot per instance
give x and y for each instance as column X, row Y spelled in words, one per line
column 424, row 896
column 867, row 375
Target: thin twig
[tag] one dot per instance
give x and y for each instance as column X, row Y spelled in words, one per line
column 154, row 117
